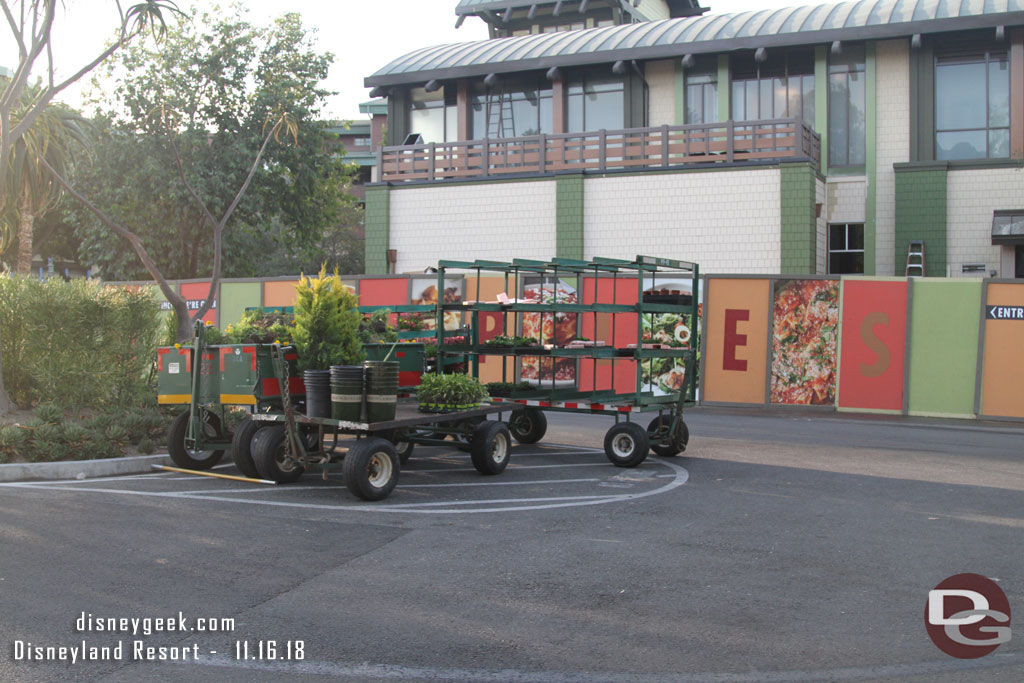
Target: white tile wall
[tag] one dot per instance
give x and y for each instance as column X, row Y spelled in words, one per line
column 727, row 221
column 971, row 197
column 496, row 221
column 846, row 199
column 661, row 78
column 892, row 142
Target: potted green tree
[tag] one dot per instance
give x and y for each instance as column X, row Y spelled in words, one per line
column 326, row 333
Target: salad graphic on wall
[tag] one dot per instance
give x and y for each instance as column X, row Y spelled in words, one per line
column 662, row 376
column 424, row 293
column 549, row 328
column 804, row 336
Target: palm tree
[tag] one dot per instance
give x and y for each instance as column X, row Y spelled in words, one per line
column 56, row 135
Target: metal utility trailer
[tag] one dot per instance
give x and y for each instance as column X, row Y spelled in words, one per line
column 626, row 443
column 285, row 444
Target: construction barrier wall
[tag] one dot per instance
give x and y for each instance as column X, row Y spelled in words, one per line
column 943, row 347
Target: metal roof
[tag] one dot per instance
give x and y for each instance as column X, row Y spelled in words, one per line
column 642, row 10
column 863, row 19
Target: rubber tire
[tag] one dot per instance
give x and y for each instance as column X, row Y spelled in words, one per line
column 357, row 465
column 528, row 425
column 241, row 447
column 176, row 443
column 466, row 444
column 491, row 447
column 678, row 444
column 631, row 441
column 399, row 439
column 268, row 447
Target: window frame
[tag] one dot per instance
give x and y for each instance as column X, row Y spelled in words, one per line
column 829, row 250
column 972, row 55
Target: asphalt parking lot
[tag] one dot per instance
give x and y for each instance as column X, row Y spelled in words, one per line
column 776, row 549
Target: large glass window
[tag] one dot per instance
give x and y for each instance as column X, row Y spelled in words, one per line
column 972, row 105
column 780, row 87
column 846, row 108
column 845, row 248
column 434, row 115
column 595, row 102
column 512, row 109
column 702, row 90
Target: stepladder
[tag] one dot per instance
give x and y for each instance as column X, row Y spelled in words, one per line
column 915, row 258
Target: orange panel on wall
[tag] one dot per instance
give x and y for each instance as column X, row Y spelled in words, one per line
column 490, row 326
column 619, row 330
column 738, row 318
column 874, row 333
column 279, row 293
column 384, row 292
column 1003, row 374
column 195, row 294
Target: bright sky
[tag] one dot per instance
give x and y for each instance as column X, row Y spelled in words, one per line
column 364, row 35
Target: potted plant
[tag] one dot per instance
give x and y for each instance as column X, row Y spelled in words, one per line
column 326, row 333
column 449, row 393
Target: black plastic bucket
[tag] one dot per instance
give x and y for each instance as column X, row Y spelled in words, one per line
column 347, row 392
column 318, row 393
column 381, row 390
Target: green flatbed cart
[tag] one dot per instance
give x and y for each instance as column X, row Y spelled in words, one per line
column 285, row 444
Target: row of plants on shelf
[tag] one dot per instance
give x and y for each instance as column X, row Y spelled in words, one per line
column 413, row 322
column 444, row 393
column 503, row 341
column 507, row 389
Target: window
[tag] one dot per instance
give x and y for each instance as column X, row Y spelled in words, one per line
column 555, row 28
column 1018, row 261
column 780, row 87
column 512, row 109
column 972, row 105
column 702, row 91
column 845, row 248
column 846, row 108
column 595, row 102
column 361, row 142
column 434, row 115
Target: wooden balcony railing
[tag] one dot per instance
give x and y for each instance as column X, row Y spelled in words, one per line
column 604, row 150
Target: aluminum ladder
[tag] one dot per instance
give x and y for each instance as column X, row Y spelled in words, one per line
column 915, row 258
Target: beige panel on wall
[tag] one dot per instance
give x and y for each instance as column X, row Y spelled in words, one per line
column 892, row 144
column 496, row 221
column 727, row 221
column 971, row 197
column 661, row 79
column 846, row 199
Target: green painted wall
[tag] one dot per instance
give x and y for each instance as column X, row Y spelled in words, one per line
column 870, row 161
column 921, row 214
column 378, row 226
column 799, row 233
column 569, row 216
column 724, row 88
column 821, row 100
column 943, row 346
column 235, row 297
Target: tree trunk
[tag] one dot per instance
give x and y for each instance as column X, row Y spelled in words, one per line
column 26, row 219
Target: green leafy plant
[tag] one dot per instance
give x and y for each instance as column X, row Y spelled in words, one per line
column 450, row 392
column 257, row 327
column 326, row 323
column 506, row 389
column 376, row 328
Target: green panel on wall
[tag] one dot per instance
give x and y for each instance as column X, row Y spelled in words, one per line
column 569, row 216
column 943, row 346
column 378, row 227
column 921, row 214
column 235, row 297
column 799, row 221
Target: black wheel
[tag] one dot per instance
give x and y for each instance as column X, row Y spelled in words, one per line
column 371, row 469
column 399, row 438
column 626, row 444
column 462, row 441
column 270, row 454
column 241, row 447
column 491, row 447
column 668, row 449
column 310, row 438
column 528, row 425
column 185, row 457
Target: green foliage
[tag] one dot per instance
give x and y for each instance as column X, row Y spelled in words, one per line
column 506, row 389
column 450, row 390
column 376, row 328
column 76, row 343
column 216, row 79
column 146, row 446
column 50, row 413
column 257, row 327
column 326, row 323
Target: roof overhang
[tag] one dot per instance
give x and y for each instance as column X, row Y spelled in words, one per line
column 1008, row 227
column 502, row 51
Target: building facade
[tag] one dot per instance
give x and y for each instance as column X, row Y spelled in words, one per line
column 830, row 139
